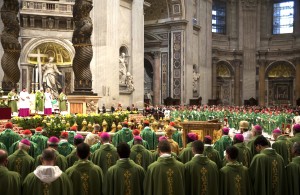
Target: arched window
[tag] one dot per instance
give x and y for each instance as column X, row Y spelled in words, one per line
column 219, row 17
column 283, row 17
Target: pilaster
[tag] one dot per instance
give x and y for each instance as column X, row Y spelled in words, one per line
column 156, row 79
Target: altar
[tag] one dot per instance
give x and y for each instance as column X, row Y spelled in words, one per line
column 202, row 128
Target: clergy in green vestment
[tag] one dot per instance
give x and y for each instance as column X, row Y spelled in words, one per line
column 33, row 146
column 47, row 178
column 223, row 142
column 283, row 146
column 244, row 155
column 124, row 135
column 60, row 160
column 40, row 140
column 87, row 178
column 149, row 135
column 71, row 135
column 256, row 132
column 234, row 177
column 62, row 102
column 64, row 147
column 73, row 157
column 2, row 146
column 210, row 152
column 166, row 175
column 95, row 146
column 187, row 154
column 20, row 161
column 139, row 154
column 296, row 132
column 107, row 155
column 125, row 177
column 244, row 129
column 136, row 132
column 12, row 98
column 293, row 171
column 8, row 136
column 201, row 174
column 39, row 101
column 267, row 170
column 10, row 181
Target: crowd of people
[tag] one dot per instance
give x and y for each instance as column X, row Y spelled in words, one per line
column 131, row 161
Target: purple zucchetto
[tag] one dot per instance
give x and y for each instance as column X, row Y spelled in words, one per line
column 239, row 137
column 53, row 140
column 25, row 142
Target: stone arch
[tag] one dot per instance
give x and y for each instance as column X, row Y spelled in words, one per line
column 34, row 43
column 148, row 78
column 225, row 64
column 281, row 64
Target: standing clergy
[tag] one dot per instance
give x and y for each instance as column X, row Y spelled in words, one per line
column 125, row 177
column 139, row 154
column 39, row 101
column 20, row 161
column 187, row 154
column 73, row 157
column 244, row 128
column 283, row 146
column 223, row 142
column 8, row 136
column 267, row 169
column 12, row 98
column 293, row 171
column 33, row 146
column 200, row 172
column 62, row 103
column 124, row 135
column 24, row 103
column 210, row 152
column 234, row 177
column 87, row 178
column 40, row 140
column 296, row 132
column 48, row 102
column 256, row 132
column 166, row 175
column 10, row 181
column 136, row 132
column 169, row 134
column 47, row 178
column 107, row 155
column 64, row 147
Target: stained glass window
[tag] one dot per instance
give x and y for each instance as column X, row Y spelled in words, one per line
column 283, row 17
column 219, row 17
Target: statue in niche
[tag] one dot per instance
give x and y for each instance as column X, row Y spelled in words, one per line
column 123, row 68
column 50, row 22
column 49, row 76
column 129, row 81
column 196, row 77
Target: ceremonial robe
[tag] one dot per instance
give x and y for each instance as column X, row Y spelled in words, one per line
column 186, row 154
column 10, row 182
column 293, row 176
column 235, row 180
column 21, row 162
column 95, row 147
column 141, row 156
column 125, row 177
column 72, row 158
column 40, row 141
column 200, row 174
column 48, row 103
column 71, row 136
column 296, row 138
column 283, row 147
column 32, row 151
column 124, row 135
column 62, row 99
column 212, row 154
column 8, row 137
column 244, row 155
column 149, row 135
column 2, row 146
column 87, row 178
column 60, row 161
column 177, row 138
column 222, row 144
column 65, row 148
column 105, row 157
column 155, row 155
column 12, row 101
column 39, row 102
column 267, row 173
column 174, row 146
column 145, row 144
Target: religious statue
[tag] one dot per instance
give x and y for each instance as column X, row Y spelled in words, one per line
column 49, row 76
column 123, row 68
column 129, row 81
column 196, row 77
column 12, row 100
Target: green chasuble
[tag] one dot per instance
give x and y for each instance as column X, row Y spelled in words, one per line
column 245, row 156
column 267, row 173
column 294, row 139
column 12, row 101
column 149, row 135
column 105, row 157
column 283, row 147
column 71, row 136
column 62, row 102
column 41, row 142
column 165, row 176
column 125, row 177
column 141, row 156
column 201, row 176
column 293, row 176
column 10, row 182
column 155, row 155
column 72, row 158
column 145, row 144
column 33, row 185
column 95, row 147
column 222, row 144
column 124, row 135
column 39, row 101
column 2, row 146
column 177, row 138
column 61, row 161
column 32, row 151
column 65, row 148
column 212, row 154
column 186, row 154
column 235, row 180
column 251, row 146
column 8, row 137
column 86, row 177
column 21, row 162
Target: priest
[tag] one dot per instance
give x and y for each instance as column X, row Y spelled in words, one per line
column 39, row 101
column 124, row 135
column 283, row 146
column 293, row 171
column 73, row 157
column 139, row 154
column 8, row 136
column 210, row 152
column 187, row 154
column 40, row 140
column 149, row 135
column 223, row 142
column 24, row 103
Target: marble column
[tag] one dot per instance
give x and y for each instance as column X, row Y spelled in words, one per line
column 237, row 78
column 214, row 77
column 156, row 79
column 297, row 83
column 262, row 87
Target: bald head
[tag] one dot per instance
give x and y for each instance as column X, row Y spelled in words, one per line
column 3, row 157
column 48, row 157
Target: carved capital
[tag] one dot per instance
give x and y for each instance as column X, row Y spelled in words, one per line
column 236, row 62
column 249, row 4
column 156, row 54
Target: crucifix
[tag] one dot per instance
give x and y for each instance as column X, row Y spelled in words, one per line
column 38, row 55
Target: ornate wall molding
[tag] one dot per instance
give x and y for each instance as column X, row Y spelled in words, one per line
column 177, row 44
column 249, row 4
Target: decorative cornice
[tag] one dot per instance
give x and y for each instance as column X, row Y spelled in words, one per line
column 249, row 4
